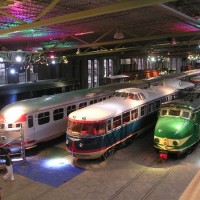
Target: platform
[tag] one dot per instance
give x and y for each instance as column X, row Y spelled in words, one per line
column 133, row 172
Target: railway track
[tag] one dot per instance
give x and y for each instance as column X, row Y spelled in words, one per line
column 133, row 182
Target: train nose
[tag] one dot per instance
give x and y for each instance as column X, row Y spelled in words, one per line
column 170, row 127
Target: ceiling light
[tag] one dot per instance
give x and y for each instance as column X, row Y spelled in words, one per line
column 173, row 41
column 18, row 58
column 118, row 35
column 84, row 33
column 78, row 51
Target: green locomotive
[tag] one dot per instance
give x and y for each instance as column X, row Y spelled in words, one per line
column 178, row 127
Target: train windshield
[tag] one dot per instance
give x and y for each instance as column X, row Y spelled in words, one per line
column 130, row 95
column 175, row 112
column 121, row 94
column 86, row 129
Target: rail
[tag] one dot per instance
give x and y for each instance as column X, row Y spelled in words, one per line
column 192, row 192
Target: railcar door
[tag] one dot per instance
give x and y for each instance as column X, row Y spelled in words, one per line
column 29, row 133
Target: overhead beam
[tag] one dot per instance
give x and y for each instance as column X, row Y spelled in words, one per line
column 118, row 7
column 12, row 17
column 47, row 9
column 180, row 46
column 139, row 39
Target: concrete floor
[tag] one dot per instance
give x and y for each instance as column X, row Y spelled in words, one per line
column 132, row 173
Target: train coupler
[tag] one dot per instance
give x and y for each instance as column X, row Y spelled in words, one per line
column 163, row 155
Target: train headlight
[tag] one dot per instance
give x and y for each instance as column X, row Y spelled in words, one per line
column 175, row 142
column 156, row 140
column 81, row 145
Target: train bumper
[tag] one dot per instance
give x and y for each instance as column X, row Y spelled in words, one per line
column 87, row 155
column 163, row 155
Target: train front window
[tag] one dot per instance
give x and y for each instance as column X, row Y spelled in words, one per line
column 185, row 114
column 85, row 129
column 133, row 96
column 125, row 95
column 117, row 94
column 163, row 112
column 174, row 112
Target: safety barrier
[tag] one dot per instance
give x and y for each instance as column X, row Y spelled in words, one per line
column 13, row 140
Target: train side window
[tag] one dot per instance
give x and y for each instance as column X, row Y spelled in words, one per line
column 134, row 114
column 109, row 127
column 10, row 125
column 82, row 105
column 18, row 125
column 143, row 110
column 151, row 107
column 102, row 99
column 30, row 121
column 164, row 99
column 195, row 117
column 43, row 118
column 158, row 104
column 71, row 109
column 117, row 121
column 93, row 101
column 2, row 126
column 58, row 114
column 173, row 96
column 126, row 117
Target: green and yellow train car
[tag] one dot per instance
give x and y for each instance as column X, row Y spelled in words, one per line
column 178, row 127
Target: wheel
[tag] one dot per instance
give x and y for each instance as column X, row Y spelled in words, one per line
column 105, row 156
column 108, row 153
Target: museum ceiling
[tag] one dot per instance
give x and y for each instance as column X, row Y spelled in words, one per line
column 85, row 27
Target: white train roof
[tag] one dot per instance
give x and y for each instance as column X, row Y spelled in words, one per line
column 42, row 103
column 195, row 79
column 177, row 83
column 117, row 76
column 117, row 105
column 47, row 102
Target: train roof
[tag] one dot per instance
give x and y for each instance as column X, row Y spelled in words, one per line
column 34, row 86
column 131, row 90
column 117, row 76
column 191, row 105
column 195, row 79
column 189, row 100
column 177, row 83
column 47, row 102
column 117, row 105
column 42, row 103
